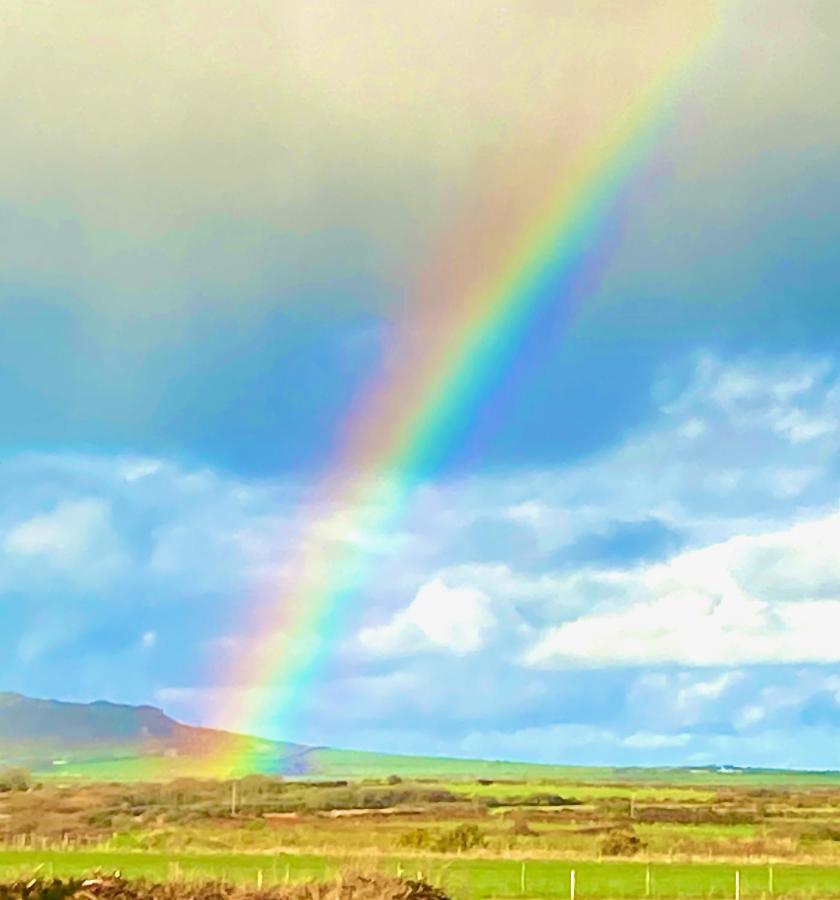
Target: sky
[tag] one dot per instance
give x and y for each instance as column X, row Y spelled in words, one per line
column 215, row 223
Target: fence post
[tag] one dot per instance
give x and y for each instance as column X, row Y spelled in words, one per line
column 737, row 884
column 259, row 879
column 572, row 885
column 770, row 879
column 647, row 880
column 522, row 879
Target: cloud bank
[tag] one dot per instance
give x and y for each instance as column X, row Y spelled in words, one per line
column 673, row 598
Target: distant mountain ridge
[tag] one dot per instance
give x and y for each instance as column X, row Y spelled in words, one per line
column 115, row 741
column 24, row 718
column 45, row 733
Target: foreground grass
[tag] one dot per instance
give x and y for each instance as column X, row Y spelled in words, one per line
column 463, row 877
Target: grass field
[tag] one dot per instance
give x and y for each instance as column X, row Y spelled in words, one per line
column 653, row 793
column 465, row 878
column 355, row 765
column 474, row 838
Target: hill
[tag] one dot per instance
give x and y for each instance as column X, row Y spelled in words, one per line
column 113, row 741
column 118, row 742
column 54, row 735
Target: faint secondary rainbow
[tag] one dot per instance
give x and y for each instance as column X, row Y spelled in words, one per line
column 449, row 349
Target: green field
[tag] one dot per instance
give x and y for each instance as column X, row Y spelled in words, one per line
column 464, row 878
column 591, row 790
column 330, row 763
column 642, row 836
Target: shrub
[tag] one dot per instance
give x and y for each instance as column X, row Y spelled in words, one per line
column 461, row 838
column 520, row 827
column 375, row 798
column 416, row 839
column 456, row 840
column 551, row 800
column 621, row 842
column 541, row 799
column 15, row 780
column 811, row 834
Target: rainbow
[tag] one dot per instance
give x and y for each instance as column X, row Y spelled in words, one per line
column 464, row 326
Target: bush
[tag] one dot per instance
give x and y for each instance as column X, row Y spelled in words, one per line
column 551, row 800
column 15, row 780
column 375, row 798
column 812, row 834
column 621, row 842
column 416, row 839
column 541, row 799
column 261, row 784
column 459, row 839
column 520, row 827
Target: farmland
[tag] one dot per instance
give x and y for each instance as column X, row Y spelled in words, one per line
column 477, row 838
column 474, row 877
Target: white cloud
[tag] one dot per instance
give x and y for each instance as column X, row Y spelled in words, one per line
column 668, row 700
column 455, row 619
column 704, row 691
column 715, row 607
column 749, row 716
column 692, row 428
column 134, row 470
column 530, row 511
column 716, row 461
column 64, row 533
column 76, row 537
column 148, row 640
column 799, row 402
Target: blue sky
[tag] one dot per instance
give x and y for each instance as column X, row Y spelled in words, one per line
column 210, row 229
